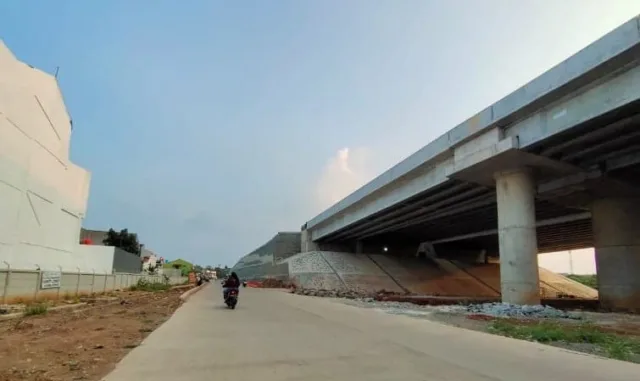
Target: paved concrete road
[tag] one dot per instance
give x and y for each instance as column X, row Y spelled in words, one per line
column 274, row 335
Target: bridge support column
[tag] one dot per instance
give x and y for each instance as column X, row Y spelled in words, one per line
column 359, row 247
column 519, row 278
column 306, row 243
column 616, row 234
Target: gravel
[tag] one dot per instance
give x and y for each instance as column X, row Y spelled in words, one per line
column 505, row 310
column 517, row 311
column 403, row 308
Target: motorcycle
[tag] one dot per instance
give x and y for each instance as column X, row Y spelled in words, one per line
column 232, row 299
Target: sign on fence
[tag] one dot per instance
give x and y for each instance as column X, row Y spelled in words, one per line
column 51, row 279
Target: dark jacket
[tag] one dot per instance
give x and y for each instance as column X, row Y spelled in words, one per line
column 231, row 282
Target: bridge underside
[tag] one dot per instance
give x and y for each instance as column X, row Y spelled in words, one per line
column 463, row 213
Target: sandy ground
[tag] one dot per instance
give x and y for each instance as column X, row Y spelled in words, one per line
column 83, row 344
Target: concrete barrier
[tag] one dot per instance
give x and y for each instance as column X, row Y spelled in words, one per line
column 187, row 294
column 19, row 286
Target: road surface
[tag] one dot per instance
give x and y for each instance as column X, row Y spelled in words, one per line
column 273, row 336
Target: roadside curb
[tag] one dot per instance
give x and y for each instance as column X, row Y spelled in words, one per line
column 187, row 294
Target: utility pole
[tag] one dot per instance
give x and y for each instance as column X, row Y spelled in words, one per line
column 571, row 262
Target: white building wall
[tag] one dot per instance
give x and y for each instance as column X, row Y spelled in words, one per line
column 90, row 258
column 43, row 196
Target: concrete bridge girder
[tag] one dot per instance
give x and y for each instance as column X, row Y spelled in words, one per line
column 519, row 177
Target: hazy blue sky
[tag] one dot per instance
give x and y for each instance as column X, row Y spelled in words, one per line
column 210, row 125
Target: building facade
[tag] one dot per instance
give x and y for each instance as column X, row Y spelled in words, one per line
column 43, row 195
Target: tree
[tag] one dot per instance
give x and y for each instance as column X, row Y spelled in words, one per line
column 222, row 272
column 123, row 240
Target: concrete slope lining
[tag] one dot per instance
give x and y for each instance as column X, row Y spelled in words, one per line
column 459, row 273
column 389, row 275
column 311, row 270
column 462, row 266
column 360, row 273
column 423, row 277
column 567, row 286
column 552, row 285
column 265, row 261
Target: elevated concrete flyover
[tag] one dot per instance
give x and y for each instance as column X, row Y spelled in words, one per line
column 552, row 166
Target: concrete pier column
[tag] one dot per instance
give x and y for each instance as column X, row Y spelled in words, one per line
column 359, row 247
column 306, row 243
column 519, row 278
column 616, row 234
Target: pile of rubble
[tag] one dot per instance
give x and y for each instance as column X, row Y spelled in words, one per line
column 517, row 311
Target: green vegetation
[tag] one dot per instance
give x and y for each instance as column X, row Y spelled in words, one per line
column 123, row 240
column 222, row 272
column 587, row 280
column 180, row 264
column 36, row 309
column 615, row 346
column 145, row 285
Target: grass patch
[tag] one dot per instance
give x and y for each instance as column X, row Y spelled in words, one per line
column 35, row 309
column 145, row 285
column 587, row 280
column 615, row 346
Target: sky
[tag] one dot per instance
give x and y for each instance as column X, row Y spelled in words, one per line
column 208, row 126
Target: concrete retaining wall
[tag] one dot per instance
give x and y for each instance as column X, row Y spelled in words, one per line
column 552, row 285
column 332, row 270
column 438, row 277
column 17, row 285
column 266, row 261
column 267, row 270
column 432, row 277
column 311, row 270
column 359, row 273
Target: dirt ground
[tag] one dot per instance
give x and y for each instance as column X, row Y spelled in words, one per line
column 81, row 344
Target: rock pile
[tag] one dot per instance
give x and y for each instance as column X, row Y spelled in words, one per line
column 517, row 311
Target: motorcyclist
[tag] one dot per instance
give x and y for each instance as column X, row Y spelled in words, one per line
column 232, row 283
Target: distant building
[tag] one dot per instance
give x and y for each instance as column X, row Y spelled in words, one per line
column 184, row 266
column 94, row 236
column 151, row 262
